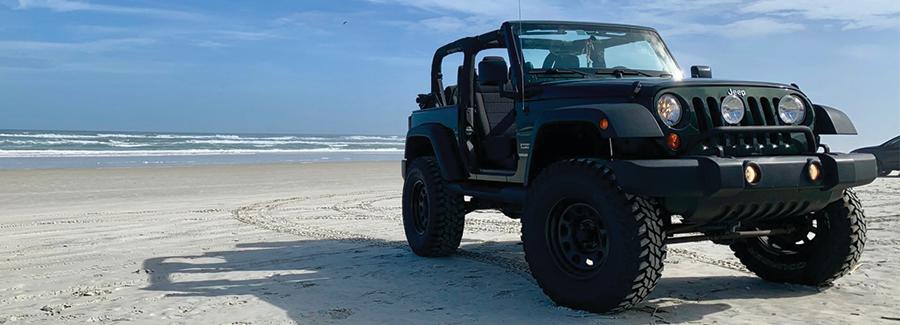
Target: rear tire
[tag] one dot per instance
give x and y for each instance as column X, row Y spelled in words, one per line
column 589, row 245
column 838, row 238
column 433, row 217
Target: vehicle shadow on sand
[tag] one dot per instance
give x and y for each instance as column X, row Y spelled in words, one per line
column 371, row 281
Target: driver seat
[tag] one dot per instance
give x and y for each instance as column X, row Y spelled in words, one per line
column 496, row 121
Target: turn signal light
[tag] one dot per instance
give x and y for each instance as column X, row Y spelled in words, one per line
column 751, row 174
column 604, row 124
column 673, row 141
column 814, row 171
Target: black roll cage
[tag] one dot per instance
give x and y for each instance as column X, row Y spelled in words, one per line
column 469, row 46
column 500, row 38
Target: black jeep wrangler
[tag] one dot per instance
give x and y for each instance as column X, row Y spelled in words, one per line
column 590, row 136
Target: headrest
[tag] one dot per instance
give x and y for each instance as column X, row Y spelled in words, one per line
column 492, row 71
column 567, row 61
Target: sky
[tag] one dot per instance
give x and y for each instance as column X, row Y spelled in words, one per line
column 355, row 66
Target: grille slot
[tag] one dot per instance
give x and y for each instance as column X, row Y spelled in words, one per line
column 758, row 118
column 771, row 119
column 712, row 106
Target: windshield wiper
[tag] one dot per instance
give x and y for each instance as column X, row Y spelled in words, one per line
column 621, row 72
column 553, row 71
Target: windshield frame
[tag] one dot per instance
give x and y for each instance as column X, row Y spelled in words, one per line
column 516, row 26
column 892, row 142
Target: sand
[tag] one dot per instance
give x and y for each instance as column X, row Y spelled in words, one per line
column 323, row 243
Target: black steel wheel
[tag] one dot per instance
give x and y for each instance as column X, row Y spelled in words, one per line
column 433, row 216
column 420, row 207
column 825, row 246
column 589, row 245
column 800, row 241
column 577, row 237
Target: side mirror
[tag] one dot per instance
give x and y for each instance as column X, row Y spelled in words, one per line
column 701, row 71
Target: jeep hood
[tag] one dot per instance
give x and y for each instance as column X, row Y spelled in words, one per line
column 624, row 88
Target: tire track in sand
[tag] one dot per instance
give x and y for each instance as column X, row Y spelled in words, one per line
column 267, row 215
column 299, row 216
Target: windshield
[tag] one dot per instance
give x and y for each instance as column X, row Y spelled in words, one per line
column 565, row 51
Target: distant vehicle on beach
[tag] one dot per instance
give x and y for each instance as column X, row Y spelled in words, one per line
column 887, row 154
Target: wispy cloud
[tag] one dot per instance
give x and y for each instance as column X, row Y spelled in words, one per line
column 99, row 29
column 246, row 35
column 851, row 14
column 97, row 46
column 316, row 18
column 754, row 27
column 317, row 22
column 210, row 44
column 92, row 56
column 422, row 61
column 17, row 62
column 72, row 6
column 496, row 9
column 726, row 18
column 866, row 52
column 448, row 24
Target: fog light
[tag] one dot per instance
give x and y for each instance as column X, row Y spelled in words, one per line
column 673, row 141
column 751, row 174
column 814, row 171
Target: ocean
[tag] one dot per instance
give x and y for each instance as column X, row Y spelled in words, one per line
column 88, row 149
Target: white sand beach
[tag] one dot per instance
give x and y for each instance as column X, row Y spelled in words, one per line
column 323, row 243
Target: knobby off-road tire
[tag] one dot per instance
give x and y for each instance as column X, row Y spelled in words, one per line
column 433, row 217
column 631, row 239
column 834, row 250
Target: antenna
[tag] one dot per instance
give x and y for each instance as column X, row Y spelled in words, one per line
column 521, row 59
column 520, row 10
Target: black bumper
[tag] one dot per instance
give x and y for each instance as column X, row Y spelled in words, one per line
column 713, row 188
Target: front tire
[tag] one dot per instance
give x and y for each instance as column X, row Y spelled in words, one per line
column 433, row 216
column 827, row 246
column 589, row 245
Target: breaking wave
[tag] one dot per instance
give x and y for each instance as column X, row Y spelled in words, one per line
column 118, row 144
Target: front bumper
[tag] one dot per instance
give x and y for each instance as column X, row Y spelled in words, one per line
column 714, row 188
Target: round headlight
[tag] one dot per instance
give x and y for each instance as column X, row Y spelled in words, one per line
column 791, row 110
column 669, row 109
column 732, row 109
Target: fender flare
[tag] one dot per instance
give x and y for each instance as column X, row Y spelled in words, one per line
column 830, row 120
column 626, row 120
column 443, row 145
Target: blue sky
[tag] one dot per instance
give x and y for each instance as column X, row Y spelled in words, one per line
column 355, row 66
